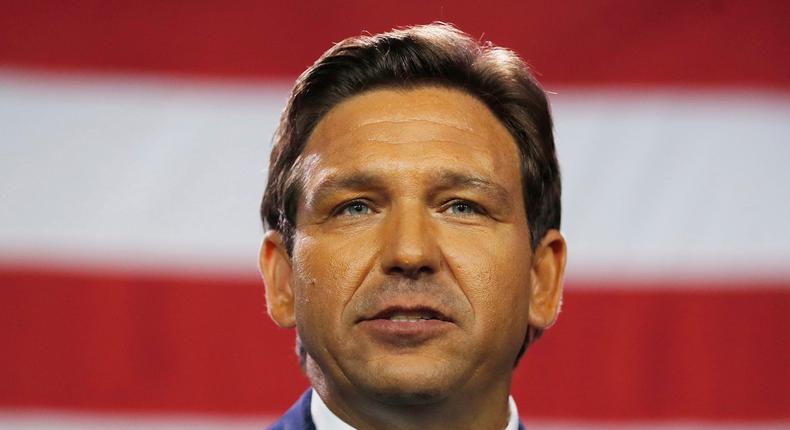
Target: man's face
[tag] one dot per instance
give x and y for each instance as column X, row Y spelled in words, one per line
column 411, row 260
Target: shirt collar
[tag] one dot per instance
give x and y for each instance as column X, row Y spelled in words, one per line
column 324, row 419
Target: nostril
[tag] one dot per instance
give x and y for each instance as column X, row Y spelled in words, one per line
column 426, row 270
column 410, row 272
column 396, row 270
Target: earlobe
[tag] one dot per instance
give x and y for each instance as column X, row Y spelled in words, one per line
column 275, row 267
column 548, row 269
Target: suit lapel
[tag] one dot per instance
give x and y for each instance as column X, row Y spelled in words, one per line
column 298, row 417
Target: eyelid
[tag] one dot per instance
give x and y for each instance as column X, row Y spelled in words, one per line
column 338, row 210
column 478, row 208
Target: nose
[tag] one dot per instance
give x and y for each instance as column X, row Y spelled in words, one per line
column 410, row 244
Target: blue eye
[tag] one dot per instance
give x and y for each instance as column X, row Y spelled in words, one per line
column 462, row 208
column 355, row 209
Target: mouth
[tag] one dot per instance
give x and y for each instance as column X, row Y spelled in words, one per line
column 411, row 326
column 409, row 314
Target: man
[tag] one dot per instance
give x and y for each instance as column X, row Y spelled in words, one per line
column 413, row 208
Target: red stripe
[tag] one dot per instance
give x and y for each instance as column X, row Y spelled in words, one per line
column 103, row 341
column 138, row 342
column 719, row 355
column 606, row 42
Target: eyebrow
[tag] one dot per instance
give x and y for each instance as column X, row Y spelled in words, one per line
column 442, row 180
column 447, row 179
column 358, row 180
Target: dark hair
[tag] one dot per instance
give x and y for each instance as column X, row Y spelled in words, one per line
column 437, row 54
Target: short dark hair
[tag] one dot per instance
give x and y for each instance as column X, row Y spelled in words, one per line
column 436, row 54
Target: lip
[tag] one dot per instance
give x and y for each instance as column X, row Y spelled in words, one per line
column 430, row 311
column 404, row 333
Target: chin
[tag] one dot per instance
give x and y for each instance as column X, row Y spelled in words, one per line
column 409, row 384
column 400, row 397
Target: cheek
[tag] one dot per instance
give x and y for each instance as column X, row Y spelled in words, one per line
column 327, row 272
column 494, row 272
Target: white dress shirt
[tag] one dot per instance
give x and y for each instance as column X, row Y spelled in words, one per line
column 324, row 419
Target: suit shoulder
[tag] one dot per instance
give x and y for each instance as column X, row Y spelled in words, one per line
column 298, row 417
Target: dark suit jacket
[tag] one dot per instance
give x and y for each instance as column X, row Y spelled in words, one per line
column 299, row 417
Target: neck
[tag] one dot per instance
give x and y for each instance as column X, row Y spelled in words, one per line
column 466, row 408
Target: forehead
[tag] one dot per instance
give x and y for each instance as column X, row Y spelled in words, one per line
column 408, row 129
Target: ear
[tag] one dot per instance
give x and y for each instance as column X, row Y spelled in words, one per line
column 548, row 269
column 275, row 267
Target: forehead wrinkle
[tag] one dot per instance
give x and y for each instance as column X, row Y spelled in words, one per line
column 454, row 124
column 428, row 104
column 398, row 142
column 373, row 130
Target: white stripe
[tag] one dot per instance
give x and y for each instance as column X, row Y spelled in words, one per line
column 165, row 173
column 50, row 420
column 675, row 183
column 149, row 172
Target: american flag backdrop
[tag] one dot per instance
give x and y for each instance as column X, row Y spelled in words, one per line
column 134, row 139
